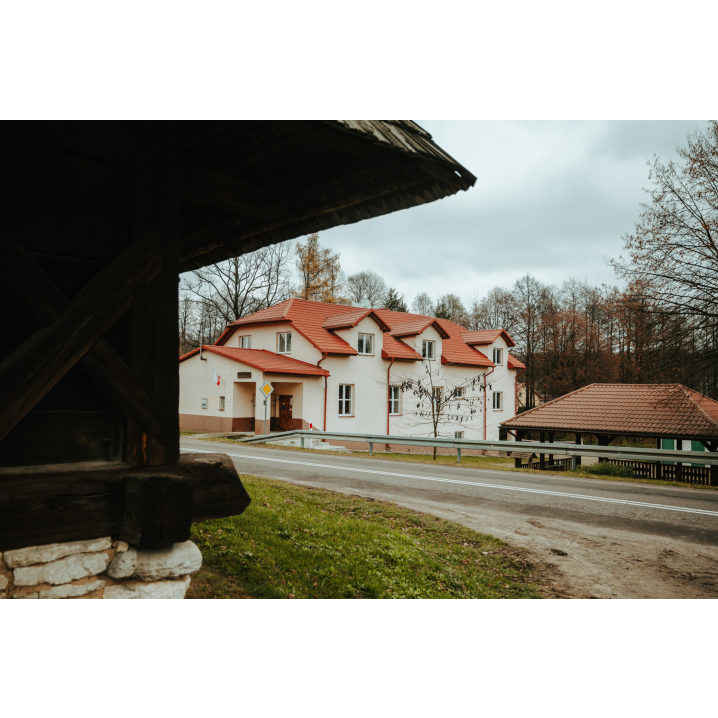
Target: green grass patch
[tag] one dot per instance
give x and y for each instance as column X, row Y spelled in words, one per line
column 607, row 469
column 298, row 542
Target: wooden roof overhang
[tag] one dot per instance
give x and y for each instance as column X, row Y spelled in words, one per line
column 99, row 219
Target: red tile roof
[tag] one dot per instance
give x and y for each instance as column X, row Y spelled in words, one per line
column 487, row 336
column 352, row 318
column 397, row 349
column 316, row 320
column 417, row 326
column 263, row 360
column 514, row 363
column 670, row 410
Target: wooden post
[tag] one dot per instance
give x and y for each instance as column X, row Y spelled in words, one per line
column 679, row 464
column 542, row 457
column 579, row 441
column 713, row 480
column 156, row 194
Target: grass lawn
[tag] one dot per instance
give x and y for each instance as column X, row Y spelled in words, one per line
column 297, row 542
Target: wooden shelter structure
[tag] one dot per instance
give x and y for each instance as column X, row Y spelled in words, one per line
column 658, row 412
column 99, row 219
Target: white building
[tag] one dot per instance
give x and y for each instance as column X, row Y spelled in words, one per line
column 349, row 369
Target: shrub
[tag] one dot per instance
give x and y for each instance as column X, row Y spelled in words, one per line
column 607, row 469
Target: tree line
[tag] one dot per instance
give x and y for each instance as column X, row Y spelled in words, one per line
column 659, row 326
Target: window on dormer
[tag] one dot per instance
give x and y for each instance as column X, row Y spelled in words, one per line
column 427, row 349
column 498, row 356
column 284, row 342
column 366, row 344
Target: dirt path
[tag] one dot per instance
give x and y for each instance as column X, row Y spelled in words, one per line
column 600, row 562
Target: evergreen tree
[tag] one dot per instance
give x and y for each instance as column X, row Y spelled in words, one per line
column 394, row 301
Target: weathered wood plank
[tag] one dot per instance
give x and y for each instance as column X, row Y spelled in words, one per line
column 46, row 303
column 157, row 510
column 52, row 504
column 40, row 362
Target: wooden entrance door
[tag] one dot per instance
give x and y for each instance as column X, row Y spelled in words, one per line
column 285, row 413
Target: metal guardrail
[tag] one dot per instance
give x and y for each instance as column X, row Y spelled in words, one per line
column 624, row 453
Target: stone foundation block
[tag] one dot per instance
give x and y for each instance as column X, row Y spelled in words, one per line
column 3, row 583
column 63, row 571
column 159, row 589
column 72, row 590
column 156, row 564
column 52, row 552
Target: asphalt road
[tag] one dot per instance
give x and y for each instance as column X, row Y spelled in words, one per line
column 601, row 524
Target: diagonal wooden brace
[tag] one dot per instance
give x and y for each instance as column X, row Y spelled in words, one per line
column 46, row 303
column 36, row 366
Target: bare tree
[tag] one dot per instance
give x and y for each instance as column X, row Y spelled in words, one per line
column 241, row 285
column 497, row 310
column 435, row 401
column 366, row 285
column 673, row 251
column 423, row 304
column 451, row 307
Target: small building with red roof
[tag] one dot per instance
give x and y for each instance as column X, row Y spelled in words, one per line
column 347, row 369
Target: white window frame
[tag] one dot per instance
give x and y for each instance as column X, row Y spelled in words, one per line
column 428, row 344
column 437, row 392
column 245, row 339
column 287, row 337
column 460, row 392
column 344, row 399
column 458, row 434
column 498, row 395
column 394, row 401
column 221, row 403
column 361, row 344
column 498, row 354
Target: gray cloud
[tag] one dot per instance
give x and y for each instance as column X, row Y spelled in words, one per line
column 552, row 198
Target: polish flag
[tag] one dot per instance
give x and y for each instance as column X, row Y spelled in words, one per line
column 216, row 378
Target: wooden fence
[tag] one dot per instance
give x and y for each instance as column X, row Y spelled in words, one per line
column 686, row 474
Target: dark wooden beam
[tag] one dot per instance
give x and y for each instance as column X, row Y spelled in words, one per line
column 241, row 230
column 71, row 502
column 156, row 219
column 46, row 303
column 261, row 153
column 226, row 193
column 38, row 364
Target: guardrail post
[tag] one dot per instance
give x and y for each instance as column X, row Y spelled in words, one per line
column 573, row 462
column 713, row 480
column 301, row 442
column 371, row 448
column 458, row 455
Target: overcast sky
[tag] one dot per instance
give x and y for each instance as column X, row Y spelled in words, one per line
column 551, row 198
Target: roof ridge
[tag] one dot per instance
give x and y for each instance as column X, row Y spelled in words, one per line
column 553, row 401
column 697, row 405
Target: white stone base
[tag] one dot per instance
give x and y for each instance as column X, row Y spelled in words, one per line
column 99, row 568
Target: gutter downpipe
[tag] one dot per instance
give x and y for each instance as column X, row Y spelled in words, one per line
column 388, row 400
column 486, row 408
column 324, row 356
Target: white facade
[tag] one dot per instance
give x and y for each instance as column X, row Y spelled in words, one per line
column 366, row 375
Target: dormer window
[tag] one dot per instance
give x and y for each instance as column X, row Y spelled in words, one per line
column 498, row 357
column 427, row 349
column 245, row 342
column 284, row 342
column 366, row 344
